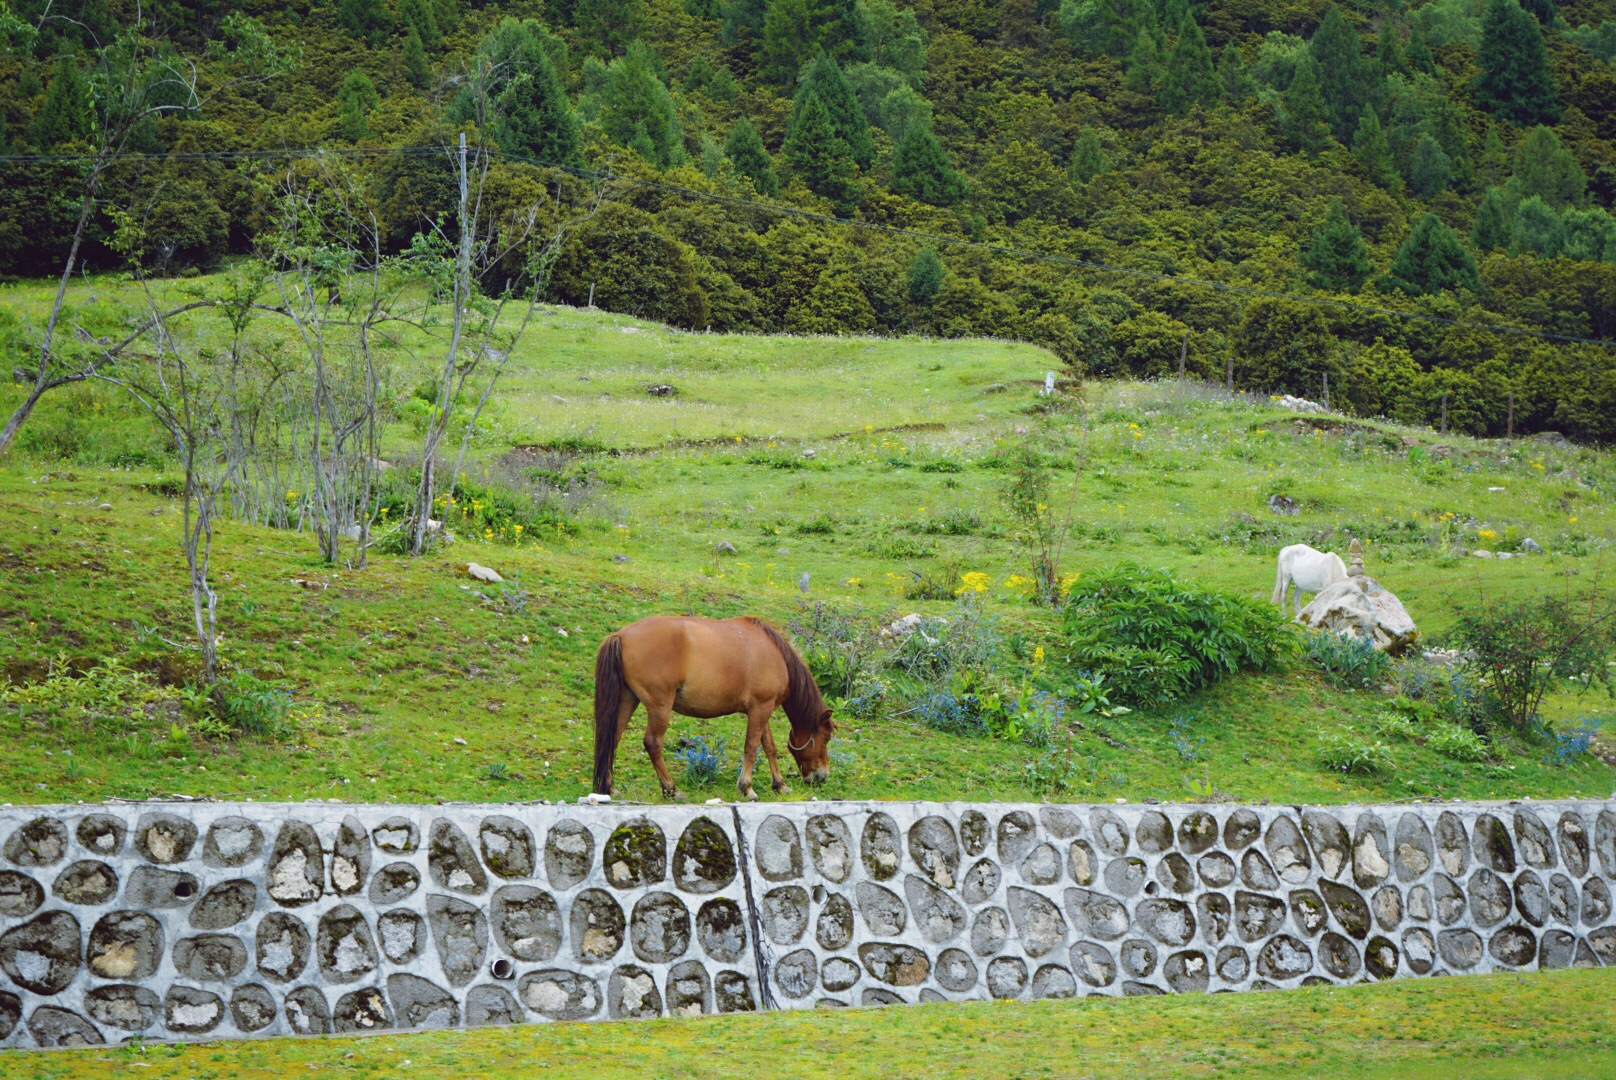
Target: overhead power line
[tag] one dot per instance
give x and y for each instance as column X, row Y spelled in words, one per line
column 853, row 223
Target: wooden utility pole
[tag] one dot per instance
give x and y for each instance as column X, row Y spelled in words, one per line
column 1229, row 375
column 1183, row 354
column 1444, row 414
column 1509, row 429
column 1326, row 389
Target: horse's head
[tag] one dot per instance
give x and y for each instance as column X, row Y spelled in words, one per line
column 812, row 748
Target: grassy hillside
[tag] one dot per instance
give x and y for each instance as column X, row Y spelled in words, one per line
column 1551, row 1026
column 874, row 467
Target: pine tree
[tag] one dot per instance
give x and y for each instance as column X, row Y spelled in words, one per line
column 418, row 15
column 1544, row 167
column 638, row 112
column 1588, row 236
column 356, row 98
column 1306, row 115
column 1543, row 10
column 1238, row 85
column 1369, row 146
column 743, row 20
column 746, row 152
column 1190, row 78
column 1429, row 169
column 1536, row 229
column 1345, row 79
column 1493, row 226
column 1337, row 257
column 788, row 35
column 65, row 114
column 1390, row 59
column 1494, row 166
column 415, row 60
column 530, row 112
column 1432, row 260
column 1143, row 66
column 836, row 29
column 921, row 169
column 824, row 80
column 1515, row 82
column 368, row 20
column 819, row 156
column 926, row 275
column 1419, row 53
column 1106, row 27
column 1088, row 157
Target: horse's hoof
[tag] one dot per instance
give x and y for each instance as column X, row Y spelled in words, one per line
column 750, row 796
column 781, row 788
column 674, row 795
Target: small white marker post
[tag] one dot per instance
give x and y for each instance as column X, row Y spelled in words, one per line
column 1049, row 384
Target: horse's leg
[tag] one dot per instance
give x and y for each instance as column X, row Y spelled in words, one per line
column 657, row 719
column 776, row 781
column 757, row 729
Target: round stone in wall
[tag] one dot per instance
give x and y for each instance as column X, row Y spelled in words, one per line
column 631, row 994
column 1421, row 907
column 1187, row 972
column 10, row 1013
column 560, row 995
column 1042, row 866
column 1081, row 862
column 1489, row 898
column 1171, row 922
column 833, row 928
column 989, row 931
column 102, row 834
column 350, row 857
column 981, row 881
column 296, row 866
column 1284, row 957
column 401, row 934
column 88, row 882
column 732, row 991
column 955, row 971
column 1380, row 958
column 394, row 882
column 1371, row 864
column 41, row 842
column 1257, row 916
column 1052, row 981
column 881, row 847
column 1241, row 830
column 779, row 849
column 152, row 887
column 188, row 1010
column 281, row 947
column 1092, row 963
column 839, row 973
column 1109, row 832
column 452, row 863
column 1595, row 902
column 936, row 852
column 721, row 930
column 527, row 923
column 1491, row 845
column 1387, row 904
column 830, row 845
column 875, row 997
column 1007, row 977
column 1412, row 850
column 507, row 847
column 597, row 926
column 1256, row 873
column 1138, row 957
column 1450, row 900
column 1287, row 851
column 785, row 913
column 1347, row 907
column 1558, row 949
column 359, row 1011
column 1562, row 900
column 307, row 1012
column 231, row 842
column 1017, row 833
column 19, row 894
column 421, row 1003
column 397, row 836
column 491, row 1006
column 1174, row 873
column 343, row 946
column 1155, row 832
column 1233, row 964
column 1513, row 946
column 1338, row 955
column 974, row 832
column 1062, row 824
column 1329, row 840
column 1531, row 898
column 1573, row 834
column 210, row 957
column 1038, row 922
column 163, row 838
column 225, row 904
column 938, row 916
column 1197, row 832
column 1095, row 914
column 127, row 1007
column 252, row 1008
column 797, row 974
column 56, row 1028
column 1452, row 845
column 1459, row 948
column 1534, row 841
column 690, row 990
column 1214, row 912
column 1419, row 949
column 704, row 858
column 460, row 936
column 883, row 912
column 1216, row 870
column 1125, row 877
column 895, row 964
column 659, row 928
column 42, row 955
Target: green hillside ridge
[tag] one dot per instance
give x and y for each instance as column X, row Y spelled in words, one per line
column 412, row 682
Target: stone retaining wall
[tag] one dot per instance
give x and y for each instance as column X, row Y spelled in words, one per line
column 187, row 921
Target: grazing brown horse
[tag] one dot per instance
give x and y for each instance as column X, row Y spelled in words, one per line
column 707, row 668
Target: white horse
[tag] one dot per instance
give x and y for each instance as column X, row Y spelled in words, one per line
column 1308, row 570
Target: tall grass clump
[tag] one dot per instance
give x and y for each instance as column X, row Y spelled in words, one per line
column 1158, row 639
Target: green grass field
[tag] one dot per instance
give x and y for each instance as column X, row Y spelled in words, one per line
column 1552, row 1026
column 413, row 683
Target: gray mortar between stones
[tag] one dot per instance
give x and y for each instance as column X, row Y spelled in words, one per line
column 197, row 921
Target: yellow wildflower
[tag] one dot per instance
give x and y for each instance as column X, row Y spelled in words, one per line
column 1018, row 583
column 1038, row 655
column 974, row 581
column 1486, row 534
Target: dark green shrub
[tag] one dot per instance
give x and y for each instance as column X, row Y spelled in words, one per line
column 1350, row 663
column 1522, row 650
column 1158, row 639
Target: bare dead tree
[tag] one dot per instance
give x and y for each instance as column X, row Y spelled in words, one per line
column 134, row 79
column 486, row 325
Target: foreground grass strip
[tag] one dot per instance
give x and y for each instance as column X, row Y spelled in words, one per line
column 1560, row 1024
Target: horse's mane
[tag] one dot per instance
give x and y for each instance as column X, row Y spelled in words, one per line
column 804, row 705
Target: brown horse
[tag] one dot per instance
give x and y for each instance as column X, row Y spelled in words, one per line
column 706, row 668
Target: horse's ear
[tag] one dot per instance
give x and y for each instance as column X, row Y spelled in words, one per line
column 828, row 724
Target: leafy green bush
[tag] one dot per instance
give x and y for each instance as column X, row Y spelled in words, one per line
column 1521, row 650
column 1350, row 663
column 1158, row 639
column 1343, row 751
column 255, row 706
column 1460, row 744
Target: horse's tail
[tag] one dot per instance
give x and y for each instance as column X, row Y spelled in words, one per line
column 1279, row 582
column 609, row 686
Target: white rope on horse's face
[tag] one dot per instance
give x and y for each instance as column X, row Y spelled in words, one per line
column 798, row 749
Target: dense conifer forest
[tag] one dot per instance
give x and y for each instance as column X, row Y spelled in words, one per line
column 1453, row 159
